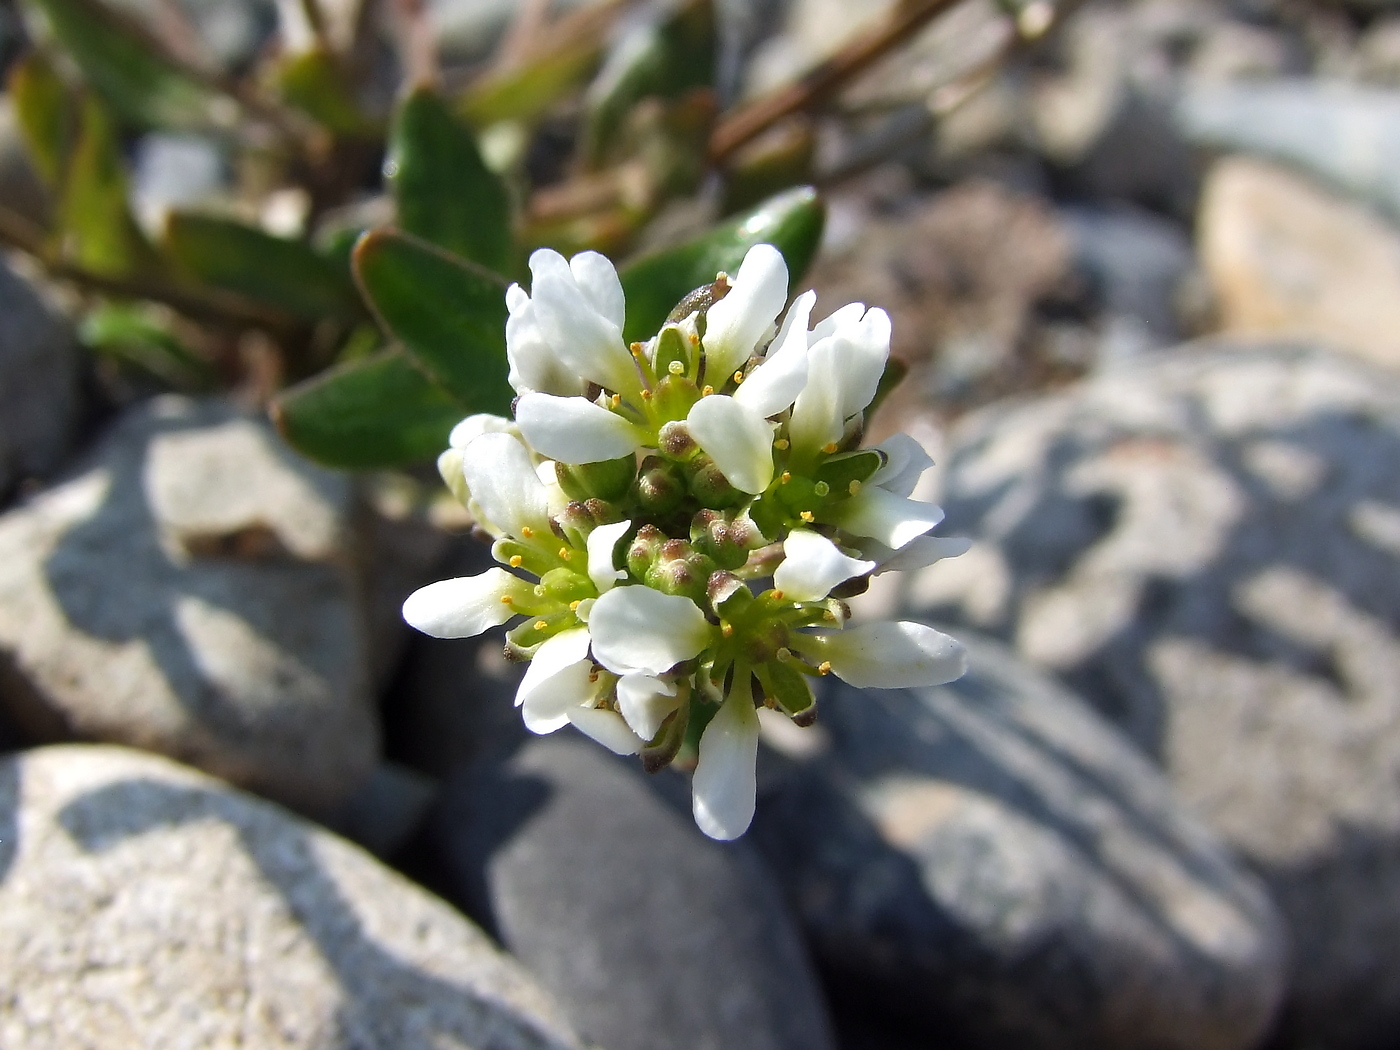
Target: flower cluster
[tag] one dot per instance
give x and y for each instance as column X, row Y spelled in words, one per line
column 678, row 519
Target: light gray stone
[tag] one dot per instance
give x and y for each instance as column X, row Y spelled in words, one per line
column 991, row 861
column 1208, row 548
column 39, row 383
column 651, row 936
column 192, row 590
column 143, row 904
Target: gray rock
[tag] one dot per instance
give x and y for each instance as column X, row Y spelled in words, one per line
column 1207, row 548
column 652, row 936
column 1347, row 135
column 192, row 591
column 387, row 811
column 145, row 905
column 39, row 383
column 991, row 861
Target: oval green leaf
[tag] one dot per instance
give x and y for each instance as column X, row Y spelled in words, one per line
column 792, row 222
column 380, row 411
column 449, row 314
column 444, row 191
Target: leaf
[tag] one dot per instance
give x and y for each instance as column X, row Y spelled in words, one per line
column 314, row 83
column 95, row 223
column 47, row 116
column 525, row 92
column 381, row 411
column 449, row 314
column 444, row 191
column 288, row 275
column 136, row 335
column 792, row 222
column 662, row 58
column 131, row 71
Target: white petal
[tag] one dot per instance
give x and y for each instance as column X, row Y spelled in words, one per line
column 556, row 680
column 585, row 340
column 503, row 484
column 922, row 552
column 905, row 464
column 598, row 278
column 734, row 324
column 774, row 385
column 881, row 515
column 533, row 363
column 601, row 542
column 849, row 314
column 812, row 565
column 466, row 606
column 887, row 655
column 737, row 438
column 573, row 429
column 724, row 785
column 608, row 728
column 476, row 425
column 816, row 415
column 645, row 701
column 639, row 629
column 861, row 353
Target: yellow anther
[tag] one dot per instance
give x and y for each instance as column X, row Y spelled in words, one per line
column 853, row 487
column 565, row 554
column 738, row 375
column 616, row 400
column 516, row 561
column 707, row 391
column 824, row 667
column 592, row 676
column 781, row 444
column 694, row 338
column 831, row 616
column 540, row 625
column 785, row 477
column 637, row 349
column 573, row 605
column 675, row 368
column 806, row 515
column 829, row 447
column 778, row 595
column 506, row 599
column 726, row 629
column 526, row 532
column 646, row 395
column 769, row 703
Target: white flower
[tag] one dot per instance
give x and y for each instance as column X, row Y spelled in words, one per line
column 501, row 479
column 601, row 542
column 887, row 655
column 560, row 687
column 533, row 363
column 645, row 702
column 723, row 789
column 883, row 510
column 737, row 438
column 844, row 365
column 812, row 565
column 574, row 429
column 640, row 629
column 573, row 320
column 466, row 606
column 735, row 325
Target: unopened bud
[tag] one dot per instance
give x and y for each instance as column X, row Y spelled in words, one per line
column 681, row 570
column 605, row 480
column 674, row 440
column 658, row 488
column 709, row 485
column 449, row 465
column 711, row 533
column 723, row 586
column 644, row 549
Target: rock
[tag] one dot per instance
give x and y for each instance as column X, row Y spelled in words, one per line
column 1286, row 259
column 192, row 590
column 387, row 811
column 1206, row 546
column 1343, row 134
column 650, row 935
column 39, row 383
column 991, row 861
column 143, row 904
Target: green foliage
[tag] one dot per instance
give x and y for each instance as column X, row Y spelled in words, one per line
column 98, row 231
column 315, row 83
column 47, row 116
column 442, row 188
column 134, row 335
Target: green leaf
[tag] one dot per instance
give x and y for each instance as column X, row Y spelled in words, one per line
column 135, row 334
column 662, row 59
column 130, row 70
column 444, row 191
column 381, row 411
column 792, row 222
column 314, row 82
column 285, row 274
column 448, row 313
column 47, row 115
column 525, row 92
column 95, row 224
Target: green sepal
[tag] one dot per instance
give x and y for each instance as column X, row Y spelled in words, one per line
column 662, row 749
column 840, row 470
column 449, row 314
column 444, row 191
column 789, row 688
column 381, row 411
column 792, row 222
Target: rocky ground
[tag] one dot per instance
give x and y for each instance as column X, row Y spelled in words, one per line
column 1147, row 281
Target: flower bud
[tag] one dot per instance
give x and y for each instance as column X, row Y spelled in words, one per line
column 644, row 550
column 576, row 519
column 723, row 589
column 712, row 534
column 449, row 465
column 658, row 488
column 605, row 480
column 602, row 512
column 680, row 569
column 674, row 440
column 700, row 300
column 709, row 485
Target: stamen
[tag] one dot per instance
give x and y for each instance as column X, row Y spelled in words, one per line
column 540, row 625
column 829, row 447
column 853, row 487
column 646, row 395
column 526, row 532
column 824, row 667
column 778, row 595
column 637, row 349
column 806, row 515
column 506, row 599
column 785, row 477
column 694, row 338
column 738, row 375
column 516, row 561
column 781, row 444
column 565, row 554
column 675, row 368
column 784, row 654
column 592, row 676
column 726, row 629
column 573, row 605
column 707, row 391
column 616, row 400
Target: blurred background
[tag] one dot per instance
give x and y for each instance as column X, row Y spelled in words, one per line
column 1143, row 264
